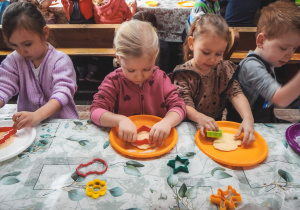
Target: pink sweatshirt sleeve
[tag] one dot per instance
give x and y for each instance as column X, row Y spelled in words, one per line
column 106, row 97
column 173, row 100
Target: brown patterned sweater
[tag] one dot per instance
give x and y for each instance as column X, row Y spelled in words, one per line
column 207, row 94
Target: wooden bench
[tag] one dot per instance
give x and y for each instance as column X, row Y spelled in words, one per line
column 78, row 39
column 247, row 41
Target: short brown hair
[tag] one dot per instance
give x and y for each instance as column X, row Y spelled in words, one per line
column 146, row 16
column 279, row 18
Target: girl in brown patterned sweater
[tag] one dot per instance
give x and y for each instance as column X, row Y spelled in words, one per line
column 206, row 82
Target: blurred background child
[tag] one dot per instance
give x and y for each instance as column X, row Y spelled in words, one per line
column 79, row 11
column 277, row 38
column 138, row 87
column 201, row 7
column 241, row 13
column 206, row 82
column 43, row 77
column 3, row 5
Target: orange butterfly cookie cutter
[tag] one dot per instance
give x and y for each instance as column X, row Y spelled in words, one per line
column 226, row 202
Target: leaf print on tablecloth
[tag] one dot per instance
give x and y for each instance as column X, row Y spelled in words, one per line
column 15, row 173
column 45, row 136
column 9, row 180
column 75, row 195
column 134, row 163
column 269, row 125
column 42, row 142
column 67, row 125
column 162, row 197
column 285, row 175
column 182, row 190
column 106, row 144
column 75, row 138
column 79, row 126
column 152, row 190
column 192, row 192
column 78, row 123
column 84, row 143
column 116, row 191
column 285, row 143
column 77, row 178
column 219, row 173
column 172, row 180
column 190, row 154
column 36, row 147
column 132, row 170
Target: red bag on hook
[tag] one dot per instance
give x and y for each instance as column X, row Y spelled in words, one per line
column 112, row 12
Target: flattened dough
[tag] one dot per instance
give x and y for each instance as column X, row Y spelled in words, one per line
column 141, row 136
column 226, row 142
column 8, row 141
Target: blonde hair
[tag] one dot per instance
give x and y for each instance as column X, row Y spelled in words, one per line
column 136, row 38
column 206, row 24
column 279, row 18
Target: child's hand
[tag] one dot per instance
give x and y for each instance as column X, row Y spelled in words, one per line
column 247, row 126
column 208, row 123
column 159, row 132
column 127, row 130
column 133, row 7
column 25, row 119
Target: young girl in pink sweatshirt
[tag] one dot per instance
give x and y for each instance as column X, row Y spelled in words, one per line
column 138, row 87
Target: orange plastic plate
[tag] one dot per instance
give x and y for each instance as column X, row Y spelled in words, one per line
column 126, row 148
column 186, row 4
column 243, row 156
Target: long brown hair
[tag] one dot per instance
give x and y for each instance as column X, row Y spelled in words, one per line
column 206, row 24
column 25, row 15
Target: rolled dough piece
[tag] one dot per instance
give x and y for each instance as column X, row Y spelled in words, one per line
column 226, row 143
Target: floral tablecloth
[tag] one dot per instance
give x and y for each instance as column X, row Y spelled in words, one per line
column 171, row 18
column 44, row 177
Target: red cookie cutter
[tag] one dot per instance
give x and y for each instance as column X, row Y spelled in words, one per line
column 92, row 172
column 144, row 141
column 10, row 131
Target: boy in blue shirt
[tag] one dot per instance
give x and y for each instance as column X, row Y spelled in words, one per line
column 277, row 38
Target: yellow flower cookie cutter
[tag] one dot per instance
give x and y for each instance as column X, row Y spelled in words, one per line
column 96, row 184
column 220, row 199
